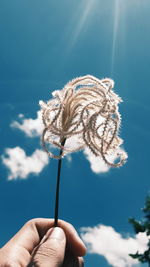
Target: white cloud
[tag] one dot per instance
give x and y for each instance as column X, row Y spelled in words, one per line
column 97, row 164
column 105, row 241
column 20, row 165
column 34, row 127
column 31, row 127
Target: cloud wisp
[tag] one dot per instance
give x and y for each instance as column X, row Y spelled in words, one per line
column 97, row 164
column 20, row 165
column 105, row 241
column 31, row 127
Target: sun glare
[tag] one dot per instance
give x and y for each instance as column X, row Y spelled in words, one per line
column 116, row 15
column 84, row 12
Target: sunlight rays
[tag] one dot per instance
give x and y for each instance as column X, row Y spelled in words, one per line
column 116, row 15
column 118, row 32
column 83, row 17
column 85, row 10
column 103, row 19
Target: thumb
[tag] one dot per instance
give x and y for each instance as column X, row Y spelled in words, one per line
column 51, row 251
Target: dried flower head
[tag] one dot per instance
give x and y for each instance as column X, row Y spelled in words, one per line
column 84, row 114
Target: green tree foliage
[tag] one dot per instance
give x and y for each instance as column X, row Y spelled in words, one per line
column 143, row 226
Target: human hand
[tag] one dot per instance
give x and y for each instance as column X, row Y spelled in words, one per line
column 39, row 244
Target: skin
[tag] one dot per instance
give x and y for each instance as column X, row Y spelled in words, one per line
column 39, row 244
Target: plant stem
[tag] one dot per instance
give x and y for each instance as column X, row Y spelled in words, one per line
column 58, row 186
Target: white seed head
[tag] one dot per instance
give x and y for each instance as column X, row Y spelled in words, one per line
column 85, row 114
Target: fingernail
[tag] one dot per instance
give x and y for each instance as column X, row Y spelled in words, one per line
column 56, row 233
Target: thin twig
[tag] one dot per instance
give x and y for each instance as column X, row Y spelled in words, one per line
column 58, row 186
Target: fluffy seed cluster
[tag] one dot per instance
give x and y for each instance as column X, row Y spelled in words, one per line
column 84, row 114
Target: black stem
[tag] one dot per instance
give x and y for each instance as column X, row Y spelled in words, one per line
column 58, row 186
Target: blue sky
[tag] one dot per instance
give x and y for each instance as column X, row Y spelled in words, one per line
column 44, row 44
